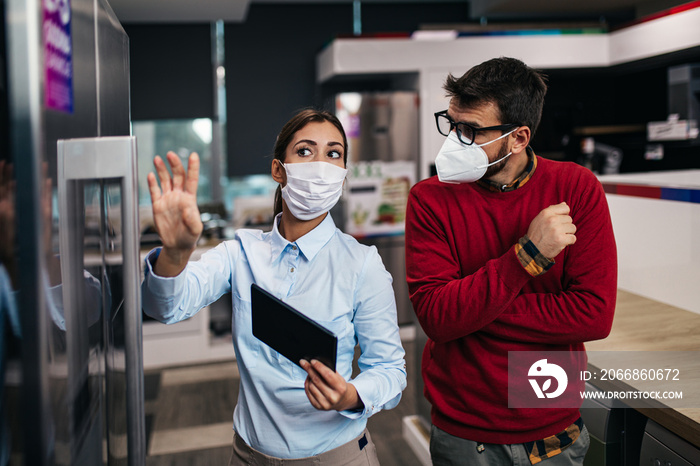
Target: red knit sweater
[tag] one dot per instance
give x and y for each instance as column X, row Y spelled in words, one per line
column 476, row 302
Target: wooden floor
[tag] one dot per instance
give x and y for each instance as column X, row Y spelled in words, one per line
column 189, row 414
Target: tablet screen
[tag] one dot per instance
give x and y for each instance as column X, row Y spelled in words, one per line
column 290, row 332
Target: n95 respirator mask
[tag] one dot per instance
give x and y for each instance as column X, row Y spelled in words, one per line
column 461, row 163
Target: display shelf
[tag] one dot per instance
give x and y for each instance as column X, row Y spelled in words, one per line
column 646, row 325
column 432, row 60
column 640, row 41
column 670, row 202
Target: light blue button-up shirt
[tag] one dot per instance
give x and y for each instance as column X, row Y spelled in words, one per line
column 326, row 275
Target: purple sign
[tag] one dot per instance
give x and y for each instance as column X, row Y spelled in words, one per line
column 352, row 129
column 58, row 55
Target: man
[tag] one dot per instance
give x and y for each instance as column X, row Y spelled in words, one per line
column 505, row 252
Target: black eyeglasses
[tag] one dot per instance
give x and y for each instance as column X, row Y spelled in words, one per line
column 465, row 132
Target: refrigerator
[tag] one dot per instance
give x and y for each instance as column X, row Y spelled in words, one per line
column 383, row 145
column 72, row 372
column 382, row 130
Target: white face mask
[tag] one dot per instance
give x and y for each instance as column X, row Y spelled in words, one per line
column 312, row 188
column 459, row 163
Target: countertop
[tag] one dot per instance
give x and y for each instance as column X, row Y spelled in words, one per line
column 647, row 326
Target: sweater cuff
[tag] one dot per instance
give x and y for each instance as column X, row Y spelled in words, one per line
column 531, row 258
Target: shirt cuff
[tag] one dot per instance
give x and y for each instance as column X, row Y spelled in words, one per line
column 363, row 394
column 162, row 287
column 531, row 258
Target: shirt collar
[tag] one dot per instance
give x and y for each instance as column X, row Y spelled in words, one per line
column 519, row 181
column 309, row 244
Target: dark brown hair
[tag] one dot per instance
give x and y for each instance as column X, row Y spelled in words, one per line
column 297, row 122
column 515, row 88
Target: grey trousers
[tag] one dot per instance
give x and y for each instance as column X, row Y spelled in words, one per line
column 448, row 450
column 358, row 452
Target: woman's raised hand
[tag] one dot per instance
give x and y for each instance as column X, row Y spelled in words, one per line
column 175, row 212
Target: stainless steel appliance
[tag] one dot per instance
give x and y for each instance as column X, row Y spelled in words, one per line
column 382, row 131
column 605, row 422
column 664, row 448
column 615, row 429
column 75, row 384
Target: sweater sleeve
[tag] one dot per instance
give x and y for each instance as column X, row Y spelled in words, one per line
column 447, row 305
column 583, row 310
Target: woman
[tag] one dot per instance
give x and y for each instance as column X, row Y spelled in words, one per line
column 312, row 415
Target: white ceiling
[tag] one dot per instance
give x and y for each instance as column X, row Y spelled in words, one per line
column 175, row 11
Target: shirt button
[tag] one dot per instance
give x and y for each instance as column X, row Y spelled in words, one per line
column 292, row 269
column 294, row 248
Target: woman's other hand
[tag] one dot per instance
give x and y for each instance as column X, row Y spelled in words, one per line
column 328, row 390
column 175, row 212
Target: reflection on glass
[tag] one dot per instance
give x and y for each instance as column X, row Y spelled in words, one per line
column 87, row 339
column 113, row 328
column 247, row 201
column 181, row 136
column 10, row 330
column 11, row 419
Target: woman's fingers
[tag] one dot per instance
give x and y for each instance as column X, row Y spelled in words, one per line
column 163, row 174
column 178, row 170
column 315, row 396
column 327, row 377
column 192, row 174
column 324, row 387
column 153, row 188
column 180, row 180
column 178, row 192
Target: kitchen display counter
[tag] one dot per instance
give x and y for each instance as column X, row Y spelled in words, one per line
column 647, row 328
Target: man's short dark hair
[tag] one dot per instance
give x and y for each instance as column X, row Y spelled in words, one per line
column 516, row 89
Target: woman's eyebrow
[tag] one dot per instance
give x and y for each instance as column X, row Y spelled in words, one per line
column 306, row 141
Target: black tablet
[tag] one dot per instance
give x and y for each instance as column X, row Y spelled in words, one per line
column 289, row 332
